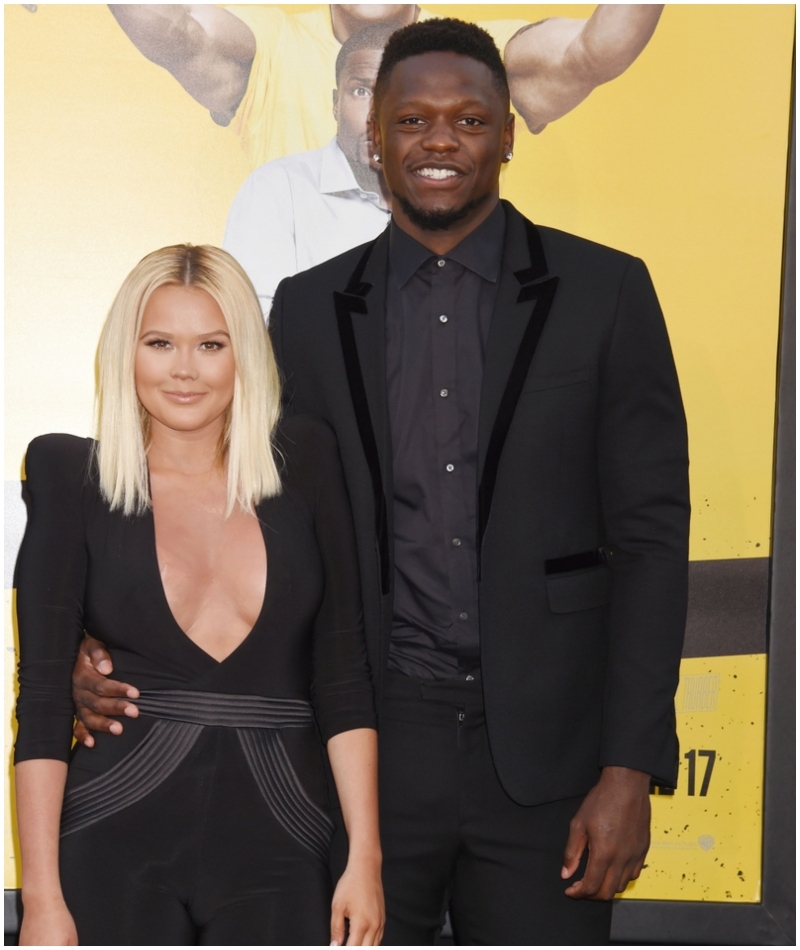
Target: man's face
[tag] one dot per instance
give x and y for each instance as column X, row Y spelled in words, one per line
column 443, row 131
column 352, row 103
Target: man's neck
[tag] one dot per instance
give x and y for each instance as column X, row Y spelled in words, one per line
column 442, row 242
column 345, row 24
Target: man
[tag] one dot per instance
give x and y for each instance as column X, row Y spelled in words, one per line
column 263, row 70
column 298, row 211
column 514, row 444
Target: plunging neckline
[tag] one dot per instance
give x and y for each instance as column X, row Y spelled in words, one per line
column 165, row 600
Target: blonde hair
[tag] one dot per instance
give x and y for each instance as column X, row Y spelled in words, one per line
column 122, row 422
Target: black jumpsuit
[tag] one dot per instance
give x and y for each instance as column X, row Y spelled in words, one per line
column 207, row 821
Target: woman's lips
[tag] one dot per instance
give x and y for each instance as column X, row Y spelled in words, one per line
column 184, row 398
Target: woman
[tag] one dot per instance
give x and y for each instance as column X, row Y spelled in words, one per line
column 221, row 571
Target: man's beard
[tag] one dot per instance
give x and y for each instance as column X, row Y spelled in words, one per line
column 438, row 220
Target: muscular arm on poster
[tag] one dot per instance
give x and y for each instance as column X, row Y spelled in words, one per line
column 554, row 65
column 207, row 49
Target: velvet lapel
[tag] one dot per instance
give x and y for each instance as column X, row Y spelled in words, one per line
column 523, row 302
column 361, row 319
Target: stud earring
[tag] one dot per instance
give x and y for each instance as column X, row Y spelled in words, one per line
column 509, row 156
column 377, row 158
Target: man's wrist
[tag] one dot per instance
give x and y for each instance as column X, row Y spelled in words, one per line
column 622, row 775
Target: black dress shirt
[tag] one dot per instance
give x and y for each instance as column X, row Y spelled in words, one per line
column 438, row 311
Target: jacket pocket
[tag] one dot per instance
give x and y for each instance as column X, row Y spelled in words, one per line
column 579, row 590
column 541, row 381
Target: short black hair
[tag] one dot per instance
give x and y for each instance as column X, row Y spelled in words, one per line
column 374, row 37
column 446, row 35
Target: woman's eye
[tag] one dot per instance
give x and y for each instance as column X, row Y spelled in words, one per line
column 211, row 345
column 158, row 344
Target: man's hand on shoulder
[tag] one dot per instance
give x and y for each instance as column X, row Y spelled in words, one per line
column 614, row 824
column 95, row 696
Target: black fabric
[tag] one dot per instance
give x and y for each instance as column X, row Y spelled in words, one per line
column 542, row 295
column 595, row 456
column 451, row 835
column 541, row 292
column 578, row 669
column 201, row 860
column 575, row 562
column 84, row 567
column 346, row 304
column 438, row 312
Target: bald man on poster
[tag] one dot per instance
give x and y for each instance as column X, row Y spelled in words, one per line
column 267, row 72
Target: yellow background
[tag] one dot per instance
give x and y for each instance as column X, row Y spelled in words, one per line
column 708, row 848
column 681, row 161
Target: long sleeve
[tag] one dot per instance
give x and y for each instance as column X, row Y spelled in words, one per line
column 50, row 581
column 643, row 459
column 341, row 687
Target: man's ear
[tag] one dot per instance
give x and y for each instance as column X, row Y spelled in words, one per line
column 508, row 134
column 374, row 133
column 336, row 105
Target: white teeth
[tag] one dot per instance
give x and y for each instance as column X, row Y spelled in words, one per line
column 437, row 173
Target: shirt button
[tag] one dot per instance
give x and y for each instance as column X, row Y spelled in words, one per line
column 463, row 615
column 470, row 679
column 440, row 263
column 450, row 467
column 443, row 318
column 443, row 393
column 456, row 542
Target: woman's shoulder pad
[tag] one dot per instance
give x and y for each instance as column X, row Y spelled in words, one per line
column 60, row 453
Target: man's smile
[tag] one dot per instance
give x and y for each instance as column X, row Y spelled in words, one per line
column 437, row 172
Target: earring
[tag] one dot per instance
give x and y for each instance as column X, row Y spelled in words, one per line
column 377, row 158
column 509, row 156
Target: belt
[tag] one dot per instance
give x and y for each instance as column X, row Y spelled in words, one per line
column 452, row 691
column 224, row 709
column 181, row 716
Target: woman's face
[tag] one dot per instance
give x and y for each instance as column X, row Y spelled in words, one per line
column 184, row 368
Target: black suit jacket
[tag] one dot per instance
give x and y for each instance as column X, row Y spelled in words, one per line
column 583, row 504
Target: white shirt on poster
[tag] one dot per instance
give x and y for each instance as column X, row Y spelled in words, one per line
column 298, row 211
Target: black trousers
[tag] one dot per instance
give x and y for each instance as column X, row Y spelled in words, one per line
column 452, row 837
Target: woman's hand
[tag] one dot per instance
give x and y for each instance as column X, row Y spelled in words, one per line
column 47, row 923
column 359, row 899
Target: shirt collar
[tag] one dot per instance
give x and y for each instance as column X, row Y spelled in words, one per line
column 481, row 251
column 336, row 176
